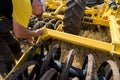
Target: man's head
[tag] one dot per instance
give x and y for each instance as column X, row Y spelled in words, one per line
column 37, row 7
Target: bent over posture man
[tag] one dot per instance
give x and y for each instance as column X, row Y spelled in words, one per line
column 15, row 15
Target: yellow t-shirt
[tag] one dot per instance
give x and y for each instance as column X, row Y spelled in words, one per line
column 22, row 10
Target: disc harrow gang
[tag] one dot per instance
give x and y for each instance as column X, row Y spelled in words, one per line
column 36, row 23
column 47, row 66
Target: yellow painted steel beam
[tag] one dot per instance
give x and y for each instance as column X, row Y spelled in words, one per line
column 101, row 22
column 74, row 39
column 21, row 60
column 91, row 11
column 55, row 4
column 50, row 15
column 95, row 17
column 115, row 30
column 81, row 41
column 59, row 8
column 96, row 21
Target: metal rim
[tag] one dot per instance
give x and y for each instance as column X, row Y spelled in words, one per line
column 65, row 71
column 88, row 71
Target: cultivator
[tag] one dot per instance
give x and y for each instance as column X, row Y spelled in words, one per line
column 42, row 60
column 45, row 65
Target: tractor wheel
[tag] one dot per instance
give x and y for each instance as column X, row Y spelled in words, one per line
column 73, row 16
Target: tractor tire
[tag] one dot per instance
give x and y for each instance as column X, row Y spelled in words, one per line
column 73, row 15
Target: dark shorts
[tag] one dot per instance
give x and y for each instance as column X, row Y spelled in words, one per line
column 9, row 46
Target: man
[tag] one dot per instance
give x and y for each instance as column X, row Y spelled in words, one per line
column 15, row 15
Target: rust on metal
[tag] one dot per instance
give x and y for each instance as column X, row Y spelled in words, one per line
column 49, row 74
column 65, row 71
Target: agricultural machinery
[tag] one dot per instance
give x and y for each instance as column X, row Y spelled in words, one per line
column 63, row 21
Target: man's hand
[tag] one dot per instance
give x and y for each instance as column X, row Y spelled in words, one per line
column 39, row 32
column 37, row 8
column 31, row 40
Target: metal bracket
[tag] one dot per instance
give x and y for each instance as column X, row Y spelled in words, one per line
column 113, row 49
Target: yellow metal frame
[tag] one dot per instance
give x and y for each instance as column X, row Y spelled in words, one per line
column 81, row 41
column 74, row 39
column 104, row 16
column 56, row 4
column 52, row 16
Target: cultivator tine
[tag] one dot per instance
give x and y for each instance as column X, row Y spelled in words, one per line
column 88, row 67
column 50, row 74
column 48, row 58
column 57, row 24
column 66, row 68
column 112, row 69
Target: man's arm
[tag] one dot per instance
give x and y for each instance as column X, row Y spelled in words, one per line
column 21, row 32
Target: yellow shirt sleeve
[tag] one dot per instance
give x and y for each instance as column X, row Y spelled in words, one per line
column 22, row 10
